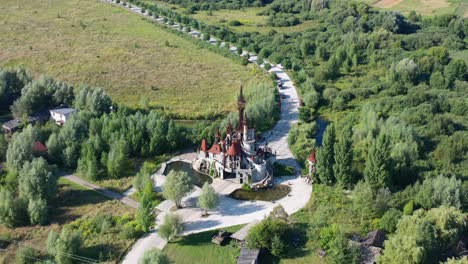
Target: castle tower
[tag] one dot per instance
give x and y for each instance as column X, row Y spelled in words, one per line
column 241, row 107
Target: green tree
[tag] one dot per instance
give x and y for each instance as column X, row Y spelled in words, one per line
column 3, row 148
column 144, row 214
column 117, row 159
column 143, row 176
column 278, row 212
column 377, row 171
column 173, row 135
column 37, row 181
column 260, row 236
column 171, row 227
column 26, row 255
column 343, row 251
column 363, row 200
column 437, row 81
column 20, row 148
column 178, row 184
column 38, row 212
column 421, row 237
column 438, row 191
column 325, row 158
column 208, row 199
column 455, row 70
column 11, row 208
column 343, row 158
column 64, row 245
column 390, row 219
column 154, row 256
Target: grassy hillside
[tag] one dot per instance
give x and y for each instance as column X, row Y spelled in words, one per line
column 86, row 41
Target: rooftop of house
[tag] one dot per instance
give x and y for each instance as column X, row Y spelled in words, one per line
column 39, row 147
column 17, row 122
column 63, row 111
column 248, row 256
column 375, row 238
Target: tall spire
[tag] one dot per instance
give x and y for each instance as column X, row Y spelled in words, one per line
column 241, row 95
column 241, row 107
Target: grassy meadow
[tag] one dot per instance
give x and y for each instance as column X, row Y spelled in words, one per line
column 198, row 249
column 73, row 202
column 87, row 41
column 425, row 7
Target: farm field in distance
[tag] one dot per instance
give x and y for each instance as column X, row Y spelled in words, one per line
column 251, row 22
column 425, row 7
column 86, row 41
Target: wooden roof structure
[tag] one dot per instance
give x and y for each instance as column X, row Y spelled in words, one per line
column 375, row 238
column 248, row 256
column 244, row 231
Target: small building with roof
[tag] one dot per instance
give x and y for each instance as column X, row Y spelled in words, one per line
column 16, row 124
column 39, row 148
column 62, row 114
column 241, row 235
column 248, row 256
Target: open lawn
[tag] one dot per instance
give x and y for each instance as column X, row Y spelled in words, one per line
column 87, row 41
column 197, row 248
column 251, row 22
column 73, row 202
column 424, row 7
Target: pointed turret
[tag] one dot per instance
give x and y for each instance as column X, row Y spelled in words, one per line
column 241, row 107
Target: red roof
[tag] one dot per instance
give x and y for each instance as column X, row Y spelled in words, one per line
column 235, row 149
column 203, row 145
column 39, row 147
column 312, row 156
column 215, row 149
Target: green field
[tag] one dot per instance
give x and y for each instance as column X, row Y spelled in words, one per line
column 251, row 22
column 73, row 202
column 198, row 249
column 87, row 41
column 425, row 7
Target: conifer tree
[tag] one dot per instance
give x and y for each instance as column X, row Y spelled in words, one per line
column 377, row 171
column 343, row 158
column 325, row 156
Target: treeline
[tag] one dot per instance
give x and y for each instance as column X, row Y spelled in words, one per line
column 193, row 5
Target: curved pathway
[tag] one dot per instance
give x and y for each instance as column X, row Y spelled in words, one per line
column 233, row 212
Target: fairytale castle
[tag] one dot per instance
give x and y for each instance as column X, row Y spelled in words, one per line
column 238, row 156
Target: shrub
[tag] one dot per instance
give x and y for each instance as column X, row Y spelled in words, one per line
column 409, row 208
column 234, row 23
column 390, row 219
column 25, row 255
column 260, row 236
